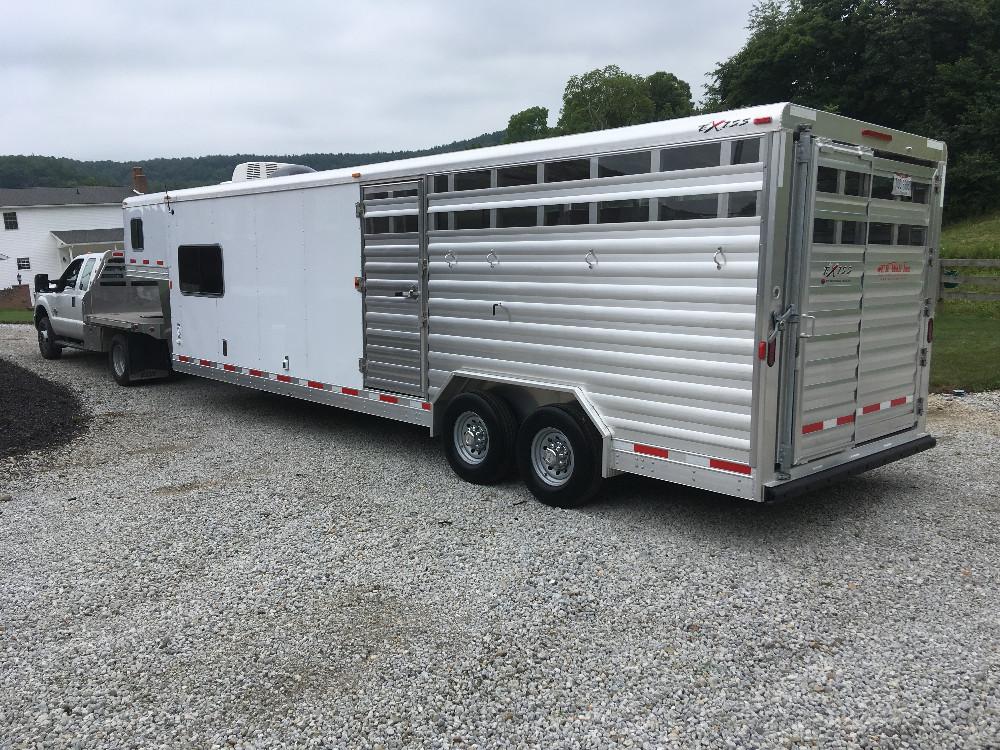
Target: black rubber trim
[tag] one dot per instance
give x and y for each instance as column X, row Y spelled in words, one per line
column 795, row 487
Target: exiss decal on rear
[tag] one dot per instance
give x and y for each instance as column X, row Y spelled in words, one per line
column 836, row 273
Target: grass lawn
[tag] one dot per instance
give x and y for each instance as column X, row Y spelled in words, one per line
column 16, row 316
column 973, row 238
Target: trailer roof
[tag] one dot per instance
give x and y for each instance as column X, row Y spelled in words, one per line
column 735, row 123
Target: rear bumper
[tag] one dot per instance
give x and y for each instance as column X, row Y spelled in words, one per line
column 793, row 487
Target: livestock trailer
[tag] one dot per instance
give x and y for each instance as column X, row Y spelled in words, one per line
column 740, row 302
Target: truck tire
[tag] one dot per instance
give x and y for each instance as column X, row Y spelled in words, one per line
column 559, row 455
column 479, row 437
column 47, row 339
column 119, row 360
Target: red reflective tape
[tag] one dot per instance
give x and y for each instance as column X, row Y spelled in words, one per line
column 131, row 260
column 717, row 463
column 283, row 378
column 257, row 373
column 315, row 384
column 814, row 427
column 159, row 262
column 762, row 350
column 876, row 134
column 145, row 262
column 117, row 255
column 898, row 401
column 649, row 450
column 206, row 363
column 388, row 399
column 230, row 368
column 762, row 121
column 350, row 391
column 870, row 408
column 845, row 420
column 425, row 406
column 183, row 358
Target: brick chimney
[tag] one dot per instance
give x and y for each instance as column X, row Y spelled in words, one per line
column 139, row 182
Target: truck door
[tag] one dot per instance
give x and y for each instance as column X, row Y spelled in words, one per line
column 67, row 307
column 859, row 279
column 394, row 287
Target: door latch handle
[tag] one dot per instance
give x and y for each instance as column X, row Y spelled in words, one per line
column 410, row 293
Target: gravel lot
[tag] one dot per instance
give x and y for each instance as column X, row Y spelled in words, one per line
column 209, row 566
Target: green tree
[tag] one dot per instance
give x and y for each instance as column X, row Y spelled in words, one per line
column 528, row 125
column 671, row 96
column 605, row 98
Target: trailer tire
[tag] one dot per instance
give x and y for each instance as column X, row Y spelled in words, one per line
column 47, row 339
column 119, row 360
column 559, row 455
column 479, row 436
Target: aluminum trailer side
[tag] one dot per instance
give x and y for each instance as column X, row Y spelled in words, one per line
column 737, row 302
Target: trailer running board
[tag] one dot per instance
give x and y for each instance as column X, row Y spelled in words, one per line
column 792, row 488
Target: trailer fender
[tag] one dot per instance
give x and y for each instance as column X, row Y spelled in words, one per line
column 524, row 396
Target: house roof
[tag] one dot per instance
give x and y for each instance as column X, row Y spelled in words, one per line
column 70, row 196
column 89, row 236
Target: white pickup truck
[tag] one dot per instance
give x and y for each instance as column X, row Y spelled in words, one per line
column 93, row 306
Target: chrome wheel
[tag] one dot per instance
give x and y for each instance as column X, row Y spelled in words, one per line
column 118, row 360
column 472, row 439
column 552, row 456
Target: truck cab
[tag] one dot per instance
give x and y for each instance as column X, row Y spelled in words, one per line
column 59, row 305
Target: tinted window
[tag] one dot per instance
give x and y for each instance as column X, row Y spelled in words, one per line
column 882, row 188
column 85, row 275
column 742, row 204
column 855, row 183
column 135, row 227
column 920, row 192
column 199, row 268
column 441, row 221
column 563, row 171
column 525, row 174
column 68, row 279
column 519, row 216
column 405, row 223
column 378, row 225
column 374, row 195
column 577, row 213
column 680, row 207
column 910, row 234
column 852, row 233
column 614, row 212
column 879, row 234
column 746, row 152
column 826, row 180
column 691, row 157
column 440, row 183
column 472, row 180
column 616, row 165
column 479, row 219
column 823, row 231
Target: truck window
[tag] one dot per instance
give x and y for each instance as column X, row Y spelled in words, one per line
column 135, row 229
column 68, row 279
column 199, row 268
column 88, row 269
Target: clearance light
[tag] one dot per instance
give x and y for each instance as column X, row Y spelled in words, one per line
column 762, row 350
column 762, row 121
column 869, row 133
column 355, row 175
column 930, row 330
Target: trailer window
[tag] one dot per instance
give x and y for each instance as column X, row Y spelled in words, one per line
column 691, row 157
column 570, row 213
column 441, row 220
column 472, row 180
column 525, row 174
column 378, row 225
column 135, row 229
column 879, row 234
column 405, row 224
column 746, row 151
column 855, row 183
column 200, row 270
column 826, row 180
column 910, row 234
column 882, row 188
column 564, row 171
column 852, row 233
column 920, row 192
column 742, row 204
column 478, row 219
column 620, row 212
column 686, row 207
column 439, row 184
column 617, row 165
column 520, row 216
column 823, row 231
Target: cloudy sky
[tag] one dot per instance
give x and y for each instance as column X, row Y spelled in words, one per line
column 104, row 79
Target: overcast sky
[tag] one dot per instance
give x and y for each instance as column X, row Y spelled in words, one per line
column 133, row 80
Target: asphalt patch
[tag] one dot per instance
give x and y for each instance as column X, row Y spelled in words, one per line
column 35, row 413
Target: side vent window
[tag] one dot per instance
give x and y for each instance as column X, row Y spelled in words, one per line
column 136, row 231
column 200, row 270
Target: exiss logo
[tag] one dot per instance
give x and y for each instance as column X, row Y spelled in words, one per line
column 708, row 127
column 836, row 273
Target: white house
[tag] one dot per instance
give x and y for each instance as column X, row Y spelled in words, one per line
column 43, row 228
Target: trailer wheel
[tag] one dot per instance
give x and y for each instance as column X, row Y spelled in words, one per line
column 559, row 455
column 47, row 339
column 119, row 362
column 479, row 437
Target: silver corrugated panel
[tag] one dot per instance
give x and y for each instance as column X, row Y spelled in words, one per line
column 638, row 314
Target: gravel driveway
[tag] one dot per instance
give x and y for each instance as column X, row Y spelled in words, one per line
column 209, row 566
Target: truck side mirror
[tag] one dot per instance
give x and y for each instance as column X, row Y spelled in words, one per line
column 41, row 283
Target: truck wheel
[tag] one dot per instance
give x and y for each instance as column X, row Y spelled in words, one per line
column 118, row 360
column 559, row 455
column 47, row 339
column 479, row 437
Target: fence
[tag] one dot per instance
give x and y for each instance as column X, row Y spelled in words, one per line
column 952, row 282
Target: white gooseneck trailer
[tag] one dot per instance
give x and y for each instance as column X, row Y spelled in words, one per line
column 740, row 302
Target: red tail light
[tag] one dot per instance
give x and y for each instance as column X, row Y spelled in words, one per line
column 762, row 121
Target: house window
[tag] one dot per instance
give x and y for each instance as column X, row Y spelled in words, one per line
column 136, row 231
column 24, row 264
column 10, row 219
column 200, row 270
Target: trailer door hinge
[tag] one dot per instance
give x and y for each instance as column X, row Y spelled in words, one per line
column 923, row 357
column 920, row 407
column 359, row 209
column 363, row 366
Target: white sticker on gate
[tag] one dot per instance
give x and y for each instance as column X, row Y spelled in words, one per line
column 902, row 184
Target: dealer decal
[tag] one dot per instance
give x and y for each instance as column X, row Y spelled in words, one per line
column 893, row 269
